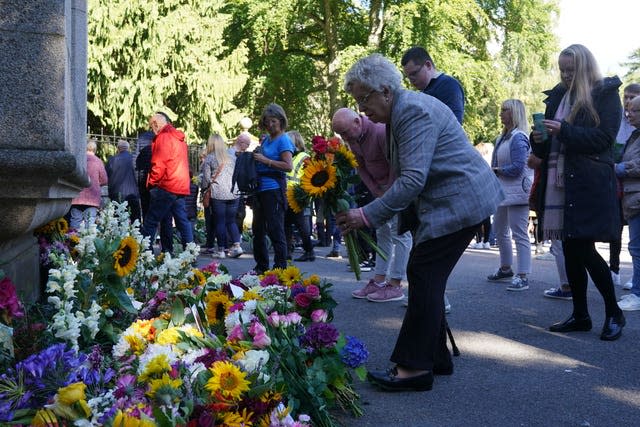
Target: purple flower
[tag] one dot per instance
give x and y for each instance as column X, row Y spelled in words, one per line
column 125, row 386
column 297, row 289
column 354, row 353
column 320, row 335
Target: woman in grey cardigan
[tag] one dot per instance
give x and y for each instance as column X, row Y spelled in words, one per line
column 444, row 190
column 628, row 171
column 509, row 162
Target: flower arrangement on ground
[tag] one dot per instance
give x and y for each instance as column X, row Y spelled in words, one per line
column 327, row 175
column 205, row 349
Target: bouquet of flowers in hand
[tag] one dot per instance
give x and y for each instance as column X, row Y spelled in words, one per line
column 327, row 175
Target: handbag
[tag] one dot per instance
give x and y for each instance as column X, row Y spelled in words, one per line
column 206, row 197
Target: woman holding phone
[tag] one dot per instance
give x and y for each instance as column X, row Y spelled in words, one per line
column 577, row 191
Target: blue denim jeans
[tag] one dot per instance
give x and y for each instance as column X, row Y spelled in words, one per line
column 634, row 251
column 225, row 219
column 162, row 203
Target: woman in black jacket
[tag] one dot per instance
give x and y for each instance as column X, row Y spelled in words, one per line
column 577, row 191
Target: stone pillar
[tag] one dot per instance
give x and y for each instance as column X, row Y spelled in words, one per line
column 43, row 70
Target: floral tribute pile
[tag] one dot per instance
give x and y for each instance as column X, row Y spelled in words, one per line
column 327, row 175
column 137, row 340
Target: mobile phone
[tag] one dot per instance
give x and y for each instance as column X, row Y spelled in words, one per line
column 538, row 125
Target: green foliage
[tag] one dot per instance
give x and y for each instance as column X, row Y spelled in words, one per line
column 149, row 56
column 209, row 62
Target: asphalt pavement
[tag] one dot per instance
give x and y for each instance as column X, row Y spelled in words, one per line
column 512, row 371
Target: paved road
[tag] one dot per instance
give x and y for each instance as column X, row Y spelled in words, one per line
column 512, row 371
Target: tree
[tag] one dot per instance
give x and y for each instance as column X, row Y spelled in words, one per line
column 633, row 75
column 148, row 56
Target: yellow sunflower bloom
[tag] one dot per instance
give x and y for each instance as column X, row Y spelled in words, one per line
column 290, row 275
column 217, row 307
column 252, row 295
column 348, row 155
column 314, row 279
column 165, row 381
column 126, row 256
column 238, row 419
column 227, row 379
column 126, row 420
column 157, row 365
column 318, row 178
column 61, row 226
column 291, row 199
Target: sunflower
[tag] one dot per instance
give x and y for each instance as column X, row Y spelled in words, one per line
column 291, row 198
column 61, row 226
column 318, row 177
column 126, row 256
column 163, row 383
column 344, row 152
column 290, row 275
column 227, row 379
column 198, row 278
column 238, row 419
column 217, row 304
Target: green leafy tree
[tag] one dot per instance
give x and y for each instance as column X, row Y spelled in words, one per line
column 149, row 55
column 633, row 75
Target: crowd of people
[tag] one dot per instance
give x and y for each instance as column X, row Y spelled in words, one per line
column 576, row 171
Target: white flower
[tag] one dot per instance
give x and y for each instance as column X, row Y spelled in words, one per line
column 254, row 360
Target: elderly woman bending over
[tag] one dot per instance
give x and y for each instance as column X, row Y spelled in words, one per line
column 444, row 190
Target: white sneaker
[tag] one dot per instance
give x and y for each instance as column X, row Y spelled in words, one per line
column 616, row 278
column 630, row 303
column 627, row 286
column 219, row 254
column 486, row 245
column 235, row 252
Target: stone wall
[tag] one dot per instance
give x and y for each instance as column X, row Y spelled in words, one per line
column 43, row 69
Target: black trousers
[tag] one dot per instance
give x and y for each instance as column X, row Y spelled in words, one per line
column 422, row 341
column 268, row 219
column 580, row 257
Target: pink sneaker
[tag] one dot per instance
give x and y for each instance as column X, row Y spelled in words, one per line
column 370, row 288
column 386, row 294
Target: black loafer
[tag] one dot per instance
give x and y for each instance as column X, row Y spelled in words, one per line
column 612, row 328
column 443, row 370
column 390, row 382
column 572, row 324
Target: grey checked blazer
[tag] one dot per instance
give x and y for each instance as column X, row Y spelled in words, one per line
column 437, row 168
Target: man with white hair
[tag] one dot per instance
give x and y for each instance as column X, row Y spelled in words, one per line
column 122, row 179
column 168, row 180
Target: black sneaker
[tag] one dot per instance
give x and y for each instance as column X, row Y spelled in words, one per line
column 500, row 275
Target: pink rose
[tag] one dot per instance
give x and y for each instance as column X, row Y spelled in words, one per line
column 294, row 318
column 256, row 328
column 319, row 315
column 303, row 300
column 274, row 319
column 9, row 300
column 236, row 333
column 313, row 291
column 261, row 340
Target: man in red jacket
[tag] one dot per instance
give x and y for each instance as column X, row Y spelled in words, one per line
column 168, row 180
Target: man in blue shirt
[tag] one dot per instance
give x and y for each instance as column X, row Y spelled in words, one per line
column 420, row 70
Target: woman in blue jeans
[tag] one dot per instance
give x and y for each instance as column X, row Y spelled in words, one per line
column 217, row 172
column 628, row 171
column 273, row 160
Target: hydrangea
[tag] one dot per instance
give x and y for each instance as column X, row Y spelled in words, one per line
column 354, row 353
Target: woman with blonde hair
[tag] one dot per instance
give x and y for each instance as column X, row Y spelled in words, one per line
column 576, row 195
column 217, row 172
column 509, row 163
